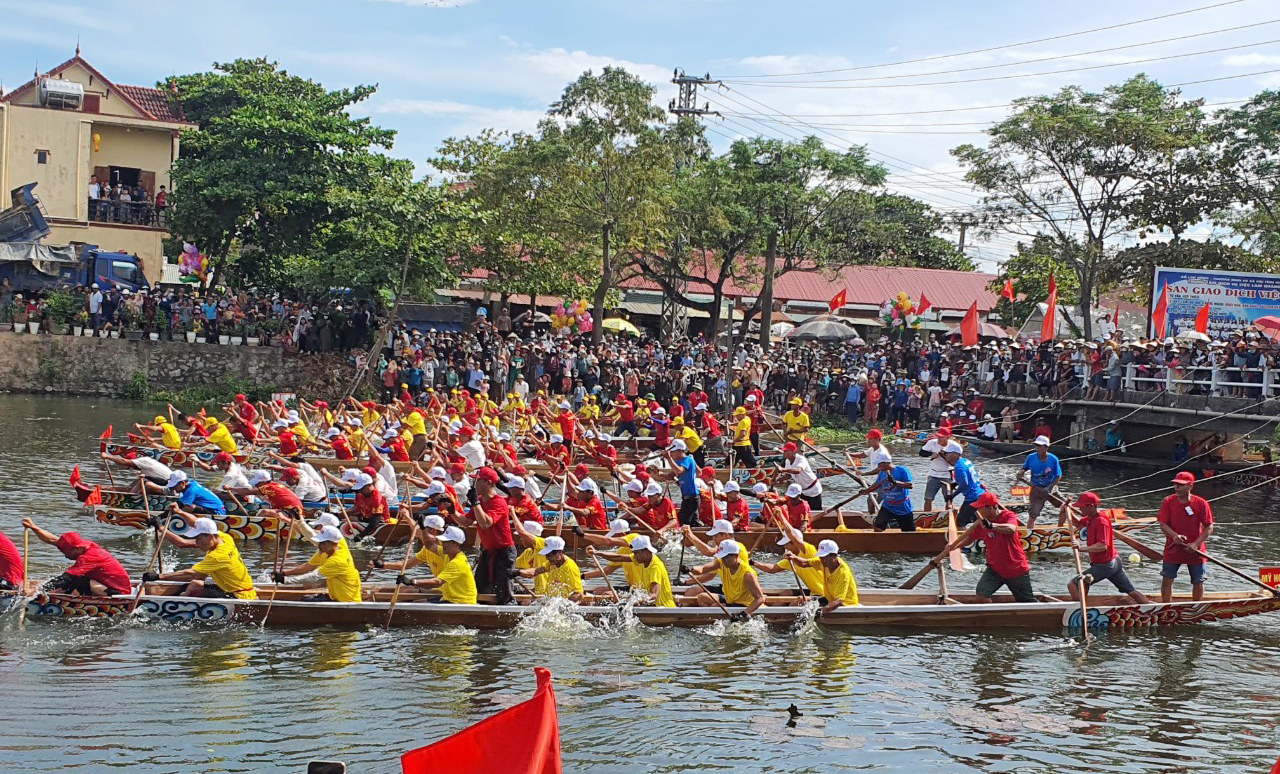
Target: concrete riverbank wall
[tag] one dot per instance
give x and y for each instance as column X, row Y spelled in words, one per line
column 72, row 365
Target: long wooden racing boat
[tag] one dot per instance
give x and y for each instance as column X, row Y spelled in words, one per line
column 879, row 608
column 1204, row 468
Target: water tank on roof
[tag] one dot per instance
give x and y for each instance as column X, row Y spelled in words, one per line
column 61, row 94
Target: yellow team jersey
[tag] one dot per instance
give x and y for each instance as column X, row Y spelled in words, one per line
column 811, row 576
column 691, row 439
column 459, row 584
column 565, row 580
column 734, row 584
column 629, row 569
column 221, row 437
column 742, row 432
column 414, row 422
column 797, row 422
column 340, row 573
column 369, row 416
column 355, row 439
column 655, row 572
column 433, row 559
column 170, row 435
column 301, row 431
column 530, row 559
column 839, row 584
column 225, row 567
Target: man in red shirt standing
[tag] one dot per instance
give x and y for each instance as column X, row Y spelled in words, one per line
column 1187, row 522
column 1099, row 545
column 492, row 516
column 626, row 417
column 95, row 573
column 1007, row 563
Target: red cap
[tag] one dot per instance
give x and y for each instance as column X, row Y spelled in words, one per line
column 790, row 446
column 369, row 404
column 241, row 397
column 642, row 468
column 369, row 471
column 70, row 540
column 291, row 474
column 466, row 393
column 521, row 470
column 487, row 474
column 987, row 500
column 707, row 472
column 621, row 397
column 944, row 432
column 1185, row 477
column 466, row 430
column 458, row 467
column 221, row 457
column 322, row 404
column 874, row 433
column 581, row 470
column 1087, row 498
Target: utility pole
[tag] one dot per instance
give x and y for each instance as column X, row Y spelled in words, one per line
column 675, row 316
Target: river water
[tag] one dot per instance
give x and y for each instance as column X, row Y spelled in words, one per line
column 94, row 696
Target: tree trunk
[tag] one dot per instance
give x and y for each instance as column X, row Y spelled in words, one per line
column 766, row 292
column 713, row 325
column 602, row 290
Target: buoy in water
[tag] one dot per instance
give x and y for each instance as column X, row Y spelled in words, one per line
column 1135, row 559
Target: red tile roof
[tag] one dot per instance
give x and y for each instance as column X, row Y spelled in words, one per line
column 151, row 103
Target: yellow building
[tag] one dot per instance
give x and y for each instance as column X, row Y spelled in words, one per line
column 70, row 128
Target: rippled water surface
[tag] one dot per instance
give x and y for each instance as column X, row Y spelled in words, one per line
column 92, row 696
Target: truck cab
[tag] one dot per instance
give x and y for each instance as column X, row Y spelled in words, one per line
column 112, row 270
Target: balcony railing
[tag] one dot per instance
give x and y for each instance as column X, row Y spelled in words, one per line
column 131, row 213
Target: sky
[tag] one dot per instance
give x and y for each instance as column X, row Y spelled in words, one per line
column 452, row 68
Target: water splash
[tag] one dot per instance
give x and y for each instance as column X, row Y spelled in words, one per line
column 555, row 617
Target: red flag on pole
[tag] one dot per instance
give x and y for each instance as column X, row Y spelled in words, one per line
column 1160, row 315
column 1115, row 317
column 1276, row 768
column 969, row 326
column 1202, row 320
column 524, row 739
column 1008, row 290
column 75, row 475
column 837, row 301
column 923, row 305
column 1049, row 326
column 94, row 498
column 105, row 434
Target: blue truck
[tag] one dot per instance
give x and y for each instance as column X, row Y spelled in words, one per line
column 31, row 265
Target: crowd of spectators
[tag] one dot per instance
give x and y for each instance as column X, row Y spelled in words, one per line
column 132, row 204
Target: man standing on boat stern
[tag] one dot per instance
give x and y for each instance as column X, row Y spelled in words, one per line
column 1045, row 471
column 1187, row 522
column 1007, row 563
column 1104, row 562
column 967, row 483
column 492, row 517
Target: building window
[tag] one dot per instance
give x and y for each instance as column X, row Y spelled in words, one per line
column 42, row 157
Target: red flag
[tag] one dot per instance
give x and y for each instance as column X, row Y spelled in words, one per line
column 923, row 305
column 1008, row 290
column 969, row 326
column 105, row 434
column 524, row 739
column 1115, row 317
column 1160, row 315
column 1276, row 768
column 1049, row 326
column 1202, row 320
column 838, row 300
column 94, row 498
column 75, row 475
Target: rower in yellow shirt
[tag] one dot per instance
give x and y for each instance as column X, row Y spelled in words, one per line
column 795, row 422
column 431, row 554
column 222, row 566
column 644, row 416
column 692, row 441
column 838, row 583
column 529, row 533
column 738, row 581
column 617, row 538
column 651, row 577
column 564, row 578
column 220, row 436
column 334, row 562
column 456, row 582
column 794, row 543
column 742, row 438
column 169, row 434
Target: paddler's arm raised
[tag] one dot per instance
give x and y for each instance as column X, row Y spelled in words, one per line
column 43, row 535
column 697, row 542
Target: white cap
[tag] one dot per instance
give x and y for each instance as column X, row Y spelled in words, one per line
column 589, row 434
column 293, row 415
column 728, row 547
column 793, row 490
column 332, row 432
column 437, row 472
column 504, row 436
column 720, row 527
column 1041, row 440
column 533, row 526
column 827, row 548
column 350, row 474
column 652, row 489
column 586, row 485
column 564, row 404
column 202, row 526
column 953, row 447
column 454, row 535
column 557, row 438
column 553, row 544
column 659, row 410
column 175, row 478
column 700, row 407
column 751, row 399
column 259, row 477
column 641, row 543
column 785, row 539
column 879, row 455
column 679, row 445
column 390, row 433
column 732, row 486
column 432, row 521
column 328, row 535
column 515, row 482
column 617, row 527
column 363, row 480
column 760, row 488
column 633, row 486
column 604, row 437
column 434, row 489
column 326, row 520
column 279, row 423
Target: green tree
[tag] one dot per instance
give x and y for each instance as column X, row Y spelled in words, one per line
column 1029, row 268
column 889, row 229
column 1079, row 165
column 1247, row 139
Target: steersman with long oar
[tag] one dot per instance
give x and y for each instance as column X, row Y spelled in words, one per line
column 1104, row 561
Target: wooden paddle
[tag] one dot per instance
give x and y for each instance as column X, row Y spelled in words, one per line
column 956, row 558
column 276, row 586
column 154, row 556
column 146, row 501
column 914, row 580
column 1084, row 601
column 714, row 598
column 612, row 591
column 395, row 595
column 1274, row 591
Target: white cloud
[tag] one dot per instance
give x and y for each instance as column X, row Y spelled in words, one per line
column 514, row 119
column 563, row 66
column 1250, row 60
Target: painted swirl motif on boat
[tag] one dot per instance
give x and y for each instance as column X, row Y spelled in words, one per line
column 1172, row 615
column 47, row 606
column 182, row 611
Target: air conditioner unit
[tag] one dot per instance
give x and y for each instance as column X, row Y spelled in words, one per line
column 61, row 94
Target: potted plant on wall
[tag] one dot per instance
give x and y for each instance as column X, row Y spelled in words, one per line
column 237, row 334
column 251, row 335
column 6, row 316
column 80, row 323
column 129, row 324
column 189, row 331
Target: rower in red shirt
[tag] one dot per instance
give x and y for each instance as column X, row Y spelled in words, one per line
column 1099, row 546
column 244, row 409
column 492, row 516
column 338, row 442
column 603, row 451
column 94, row 572
column 281, row 498
column 708, row 424
column 708, row 508
column 11, row 570
column 626, row 416
column 285, row 437
column 1007, row 563
column 568, row 423
column 396, row 450
column 797, row 509
column 587, row 508
column 521, row 504
column 370, row 506
column 661, row 428
column 1187, row 522
column 557, row 450
column 696, row 396
column 736, row 509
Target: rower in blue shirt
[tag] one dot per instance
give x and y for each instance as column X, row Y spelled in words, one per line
column 194, row 498
column 967, row 483
column 893, row 482
column 1045, row 471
